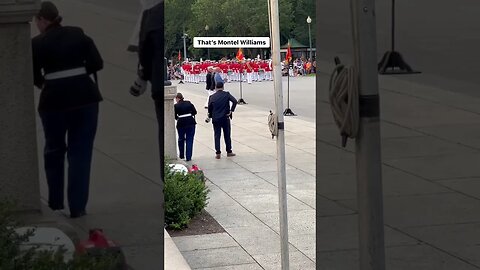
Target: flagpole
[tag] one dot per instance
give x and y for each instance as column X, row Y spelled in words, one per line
column 288, row 111
column 183, row 73
column 281, row 171
column 240, row 57
column 241, row 101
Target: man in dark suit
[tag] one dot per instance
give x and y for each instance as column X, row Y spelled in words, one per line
column 210, row 84
column 220, row 111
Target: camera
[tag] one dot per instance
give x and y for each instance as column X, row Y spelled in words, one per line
column 207, row 120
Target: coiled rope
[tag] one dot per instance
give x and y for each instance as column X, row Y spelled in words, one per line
column 273, row 124
column 343, row 95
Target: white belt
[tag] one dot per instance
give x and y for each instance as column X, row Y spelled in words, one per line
column 65, row 73
column 185, row 115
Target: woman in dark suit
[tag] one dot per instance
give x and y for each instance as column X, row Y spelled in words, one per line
column 63, row 60
column 185, row 115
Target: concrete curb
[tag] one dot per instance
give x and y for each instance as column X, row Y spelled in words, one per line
column 173, row 258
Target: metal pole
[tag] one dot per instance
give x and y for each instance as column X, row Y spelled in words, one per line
column 277, row 85
column 208, row 49
column 368, row 153
column 288, row 86
column 393, row 25
column 241, row 101
column 310, row 40
column 241, row 93
column 184, row 45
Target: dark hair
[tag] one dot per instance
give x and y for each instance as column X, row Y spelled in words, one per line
column 219, row 84
column 49, row 12
column 179, row 96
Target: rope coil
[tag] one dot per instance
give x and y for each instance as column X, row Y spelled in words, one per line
column 343, row 95
column 273, row 124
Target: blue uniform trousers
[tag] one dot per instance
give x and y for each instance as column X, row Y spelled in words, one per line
column 185, row 138
column 72, row 133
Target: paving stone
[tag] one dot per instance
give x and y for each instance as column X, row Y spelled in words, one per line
column 469, row 186
column 461, row 133
column 305, row 243
column 440, row 167
column 205, row 241
column 397, row 258
column 394, row 148
column 413, row 112
column 395, row 183
column 341, row 164
column 297, row 261
column 293, row 176
column 231, row 174
column 217, row 257
column 247, row 187
column 341, row 233
column 306, row 196
column 299, row 222
column 257, row 240
column 460, row 240
column 268, row 203
column 252, row 266
column 435, row 209
column 299, row 156
column 260, row 166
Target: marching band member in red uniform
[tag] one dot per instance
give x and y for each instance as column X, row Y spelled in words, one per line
column 249, row 69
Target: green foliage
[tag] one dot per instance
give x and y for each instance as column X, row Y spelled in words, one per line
column 185, row 197
column 232, row 18
column 13, row 258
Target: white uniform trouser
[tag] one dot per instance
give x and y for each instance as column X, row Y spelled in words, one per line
column 209, row 93
column 261, row 76
column 249, row 77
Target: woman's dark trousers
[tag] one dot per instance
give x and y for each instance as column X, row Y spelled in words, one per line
column 71, row 133
column 185, row 137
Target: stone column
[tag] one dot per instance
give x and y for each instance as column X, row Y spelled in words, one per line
column 170, row 141
column 18, row 135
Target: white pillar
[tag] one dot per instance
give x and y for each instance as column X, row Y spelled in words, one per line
column 170, row 141
column 18, row 135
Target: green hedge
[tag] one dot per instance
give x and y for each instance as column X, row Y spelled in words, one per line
column 185, row 197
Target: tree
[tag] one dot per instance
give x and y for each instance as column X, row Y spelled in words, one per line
column 232, row 18
column 303, row 9
column 177, row 14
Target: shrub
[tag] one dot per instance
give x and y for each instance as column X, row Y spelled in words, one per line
column 12, row 257
column 185, row 197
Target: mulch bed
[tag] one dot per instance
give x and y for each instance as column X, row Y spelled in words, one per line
column 203, row 223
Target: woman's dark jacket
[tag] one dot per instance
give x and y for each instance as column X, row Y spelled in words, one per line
column 63, row 48
column 185, row 107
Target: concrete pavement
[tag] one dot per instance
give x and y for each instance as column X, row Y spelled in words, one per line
column 429, row 148
column 244, row 195
column 430, row 152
